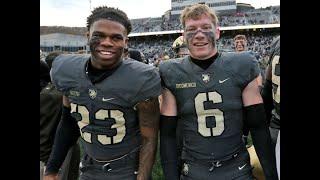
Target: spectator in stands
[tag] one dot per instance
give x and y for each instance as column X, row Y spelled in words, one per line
column 240, row 43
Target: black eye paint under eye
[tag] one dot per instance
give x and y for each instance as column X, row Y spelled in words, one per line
column 93, row 42
column 210, row 35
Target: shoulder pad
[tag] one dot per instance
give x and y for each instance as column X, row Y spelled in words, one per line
column 168, row 70
column 244, row 66
column 145, row 78
column 66, row 69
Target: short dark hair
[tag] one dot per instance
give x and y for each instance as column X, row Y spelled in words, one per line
column 109, row 13
column 44, row 74
column 51, row 56
column 135, row 54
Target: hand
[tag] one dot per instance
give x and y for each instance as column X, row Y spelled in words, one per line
column 51, row 177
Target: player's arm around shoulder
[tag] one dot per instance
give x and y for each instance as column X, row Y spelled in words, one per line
column 148, row 112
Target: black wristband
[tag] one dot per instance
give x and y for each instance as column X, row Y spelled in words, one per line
column 66, row 136
column 168, row 147
column 255, row 119
column 267, row 99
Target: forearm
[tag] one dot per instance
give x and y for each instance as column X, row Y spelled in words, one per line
column 147, row 157
column 267, row 99
column 66, row 135
column 262, row 144
column 148, row 112
column 168, row 147
column 255, row 120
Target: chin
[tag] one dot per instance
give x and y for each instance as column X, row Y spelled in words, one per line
column 201, row 56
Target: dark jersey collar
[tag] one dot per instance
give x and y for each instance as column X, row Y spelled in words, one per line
column 97, row 75
column 204, row 64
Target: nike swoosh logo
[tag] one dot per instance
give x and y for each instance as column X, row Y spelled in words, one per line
column 109, row 99
column 222, row 81
column 240, row 168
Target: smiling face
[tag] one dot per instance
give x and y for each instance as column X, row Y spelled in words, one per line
column 240, row 45
column 201, row 35
column 107, row 40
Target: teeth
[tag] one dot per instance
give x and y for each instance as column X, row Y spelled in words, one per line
column 200, row 44
column 105, row 52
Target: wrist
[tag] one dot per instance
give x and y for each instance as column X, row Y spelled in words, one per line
column 50, row 173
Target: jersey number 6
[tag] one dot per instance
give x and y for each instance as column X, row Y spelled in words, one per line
column 204, row 113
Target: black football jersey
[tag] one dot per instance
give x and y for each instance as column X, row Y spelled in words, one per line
column 209, row 102
column 275, row 66
column 105, row 111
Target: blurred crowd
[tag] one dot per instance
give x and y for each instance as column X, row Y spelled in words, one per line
column 269, row 15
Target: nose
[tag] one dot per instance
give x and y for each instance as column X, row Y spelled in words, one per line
column 107, row 41
column 197, row 34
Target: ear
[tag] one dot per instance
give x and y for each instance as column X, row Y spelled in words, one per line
column 88, row 36
column 184, row 37
column 126, row 42
column 217, row 32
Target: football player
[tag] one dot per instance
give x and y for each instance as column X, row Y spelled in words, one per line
column 211, row 95
column 271, row 96
column 180, row 47
column 110, row 103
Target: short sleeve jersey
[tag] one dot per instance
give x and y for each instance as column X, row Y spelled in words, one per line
column 105, row 111
column 209, row 102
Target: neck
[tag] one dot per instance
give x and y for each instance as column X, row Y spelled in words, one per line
column 100, row 66
column 205, row 63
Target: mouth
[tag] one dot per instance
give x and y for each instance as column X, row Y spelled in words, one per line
column 105, row 53
column 200, row 44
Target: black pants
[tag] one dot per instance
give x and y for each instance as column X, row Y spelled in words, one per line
column 238, row 168
column 123, row 169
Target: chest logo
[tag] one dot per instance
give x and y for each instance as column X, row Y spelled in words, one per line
column 206, row 78
column 107, row 99
column 92, row 93
column 222, row 81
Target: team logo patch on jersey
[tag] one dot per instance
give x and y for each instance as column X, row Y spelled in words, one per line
column 185, row 169
column 206, row 78
column 92, row 93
